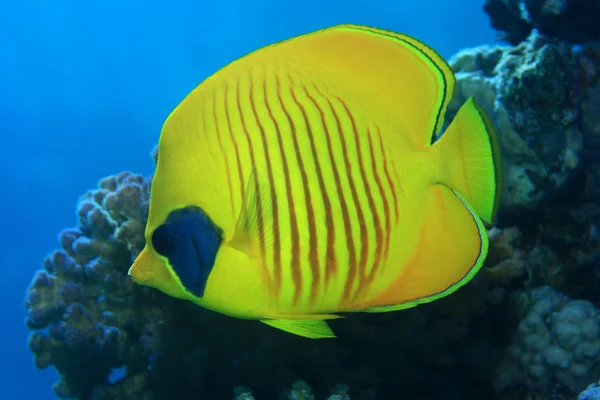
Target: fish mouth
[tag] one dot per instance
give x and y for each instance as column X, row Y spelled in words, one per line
column 141, row 271
column 136, row 273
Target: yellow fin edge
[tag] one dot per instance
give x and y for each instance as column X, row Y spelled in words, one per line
column 308, row 328
column 453, row 288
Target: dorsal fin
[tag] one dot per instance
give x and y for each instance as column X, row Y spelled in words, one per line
column 392, row 71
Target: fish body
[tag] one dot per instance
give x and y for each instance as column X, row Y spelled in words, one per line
column 308, row 178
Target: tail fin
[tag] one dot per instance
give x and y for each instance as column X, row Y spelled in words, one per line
column 472, row 161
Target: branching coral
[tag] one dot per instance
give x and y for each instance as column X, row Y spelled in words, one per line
column 75, row 303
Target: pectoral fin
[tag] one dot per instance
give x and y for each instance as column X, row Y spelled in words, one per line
column 256, row 215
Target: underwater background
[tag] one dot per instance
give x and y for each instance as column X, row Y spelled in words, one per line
column 84, row 90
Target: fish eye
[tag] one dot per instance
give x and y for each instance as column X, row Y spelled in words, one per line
column 162, row 241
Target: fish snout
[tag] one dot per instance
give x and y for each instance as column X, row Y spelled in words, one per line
column 144, row 267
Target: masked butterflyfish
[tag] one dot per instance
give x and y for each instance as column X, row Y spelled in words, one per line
column 309, row 178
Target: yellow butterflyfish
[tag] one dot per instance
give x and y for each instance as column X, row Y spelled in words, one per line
column 308, row 179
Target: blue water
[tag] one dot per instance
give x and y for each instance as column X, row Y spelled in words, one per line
column 86, row 85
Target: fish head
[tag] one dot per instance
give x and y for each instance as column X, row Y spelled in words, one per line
column 149, row 269
column 187, row 257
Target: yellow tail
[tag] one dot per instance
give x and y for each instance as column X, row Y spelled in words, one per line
column 471, row 160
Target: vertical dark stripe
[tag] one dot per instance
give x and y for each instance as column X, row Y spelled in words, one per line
column 386, row 210
column 330, row 255
column 235, row 147
column 313, row 256
column 204, row 116
column 260, row 221
column 352, row 267
column 288, row 192
column 387, row 175
column 364, row 236
column 382, row 244
column 275, row 217
column 296, row 262
column 216, row 121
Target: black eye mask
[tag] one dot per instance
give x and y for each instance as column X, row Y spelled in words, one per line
column 190, row 241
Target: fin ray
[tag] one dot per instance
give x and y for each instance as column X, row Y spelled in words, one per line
column 246, row 237
column 308, row 328
column 472, row 160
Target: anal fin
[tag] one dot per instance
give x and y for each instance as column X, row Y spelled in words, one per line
column 452, row 247
column 308, row 328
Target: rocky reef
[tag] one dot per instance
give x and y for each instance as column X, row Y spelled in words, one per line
column 527, row 326
column 534, row 91
column 571, row 20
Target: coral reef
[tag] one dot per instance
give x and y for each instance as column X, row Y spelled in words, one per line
column 512, row 333
column 558, row 341
column 571, row 20
column 533, row 92
column 74, row 303
column 300, row 390
column 592, row 392
column 89, row 321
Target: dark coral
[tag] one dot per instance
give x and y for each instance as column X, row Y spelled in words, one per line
column 534, row 93
column 570, row 20
column 74, row 304
column 558, row 340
